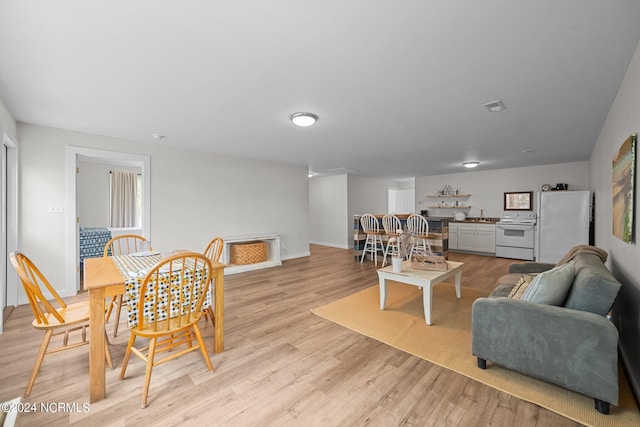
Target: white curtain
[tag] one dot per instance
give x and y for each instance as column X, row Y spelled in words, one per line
column 123, row 199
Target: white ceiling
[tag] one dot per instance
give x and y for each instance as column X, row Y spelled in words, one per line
column 398, row 85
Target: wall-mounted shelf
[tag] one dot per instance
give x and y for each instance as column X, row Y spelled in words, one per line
column 448, row 195
column 448, row 207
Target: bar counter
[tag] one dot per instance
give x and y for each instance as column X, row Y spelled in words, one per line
column 438, row 234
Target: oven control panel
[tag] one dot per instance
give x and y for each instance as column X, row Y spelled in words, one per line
column 518, row 218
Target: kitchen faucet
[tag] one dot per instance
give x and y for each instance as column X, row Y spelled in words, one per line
column 481, row 213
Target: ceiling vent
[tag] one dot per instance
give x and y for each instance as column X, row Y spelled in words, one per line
column 343, row 169
column 495, row 106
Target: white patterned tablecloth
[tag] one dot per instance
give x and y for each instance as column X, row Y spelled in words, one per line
column 134, row 268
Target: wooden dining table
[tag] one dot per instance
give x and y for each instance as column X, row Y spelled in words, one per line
column 103, row 279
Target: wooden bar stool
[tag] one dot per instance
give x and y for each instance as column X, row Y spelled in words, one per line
column 371, row 228
column 419, row 226
column 391, row 225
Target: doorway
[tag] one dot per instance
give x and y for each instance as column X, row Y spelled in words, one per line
column 8, row 224
column 77, row 154
column 401, row 201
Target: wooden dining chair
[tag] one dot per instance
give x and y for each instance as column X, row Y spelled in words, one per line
column 121, row 245
column 167, row 310
column 61, row 320
column 213, row 252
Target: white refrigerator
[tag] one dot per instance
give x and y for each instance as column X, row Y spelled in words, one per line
column 563, row 222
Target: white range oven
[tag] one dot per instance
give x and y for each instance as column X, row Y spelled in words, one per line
column 515, row 235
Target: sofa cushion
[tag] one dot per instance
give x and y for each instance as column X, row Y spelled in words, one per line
column 552, row 286
column 504, row 285
column 594, row 288
column 522, row 285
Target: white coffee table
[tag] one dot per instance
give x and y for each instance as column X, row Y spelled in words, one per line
column 421, row 278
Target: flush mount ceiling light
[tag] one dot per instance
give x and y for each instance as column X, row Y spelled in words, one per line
column 470, row 165
column 303, row 119
column 494, row 106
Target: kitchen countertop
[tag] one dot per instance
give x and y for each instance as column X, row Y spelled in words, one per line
column 472, row 220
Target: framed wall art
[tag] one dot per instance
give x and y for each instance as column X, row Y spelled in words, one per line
column 518, row 201
column 623, row 166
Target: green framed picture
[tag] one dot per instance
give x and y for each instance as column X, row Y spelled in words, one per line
column 624, row 161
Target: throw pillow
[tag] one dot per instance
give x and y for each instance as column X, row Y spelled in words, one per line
column 522, row 285
column 551, row 286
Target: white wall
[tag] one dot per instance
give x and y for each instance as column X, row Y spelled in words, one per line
column 328, row 211
column 8, row 122
column 94, row 192
column 194, row 196
column 622, row 121
column 487, row 188
column 368, row 195
column 334, row 200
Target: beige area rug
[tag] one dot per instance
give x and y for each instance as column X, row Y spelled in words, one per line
column 447, row 342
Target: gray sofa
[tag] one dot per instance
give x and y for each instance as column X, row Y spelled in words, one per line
column 554, row 325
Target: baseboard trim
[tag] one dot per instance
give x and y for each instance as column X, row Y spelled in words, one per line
column 332, row 245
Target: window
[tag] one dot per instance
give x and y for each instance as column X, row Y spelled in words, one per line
column 139, row 200
column 125, row 199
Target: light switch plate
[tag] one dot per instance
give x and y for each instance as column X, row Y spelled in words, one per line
column 56, row 208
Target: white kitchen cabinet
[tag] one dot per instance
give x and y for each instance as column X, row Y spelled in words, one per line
column 475, row 237
column 467, row 237
column 453, row 235
column 486, row 238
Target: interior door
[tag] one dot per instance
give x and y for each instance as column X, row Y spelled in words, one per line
column 3, row 232
column 8, row 224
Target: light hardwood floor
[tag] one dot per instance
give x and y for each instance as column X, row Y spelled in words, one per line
column 282, row 364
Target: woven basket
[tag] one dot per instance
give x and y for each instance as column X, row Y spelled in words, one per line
column 248, row 253
column 429, row 262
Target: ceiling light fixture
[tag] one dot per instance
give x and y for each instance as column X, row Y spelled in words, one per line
column 303, row 119
column 470, row 165
column 495, row 106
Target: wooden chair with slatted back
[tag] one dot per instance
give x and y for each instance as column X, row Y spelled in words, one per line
column 167, row 311
column 213, row 252
column 419, row 226
column 54, row 318
column 121, row 245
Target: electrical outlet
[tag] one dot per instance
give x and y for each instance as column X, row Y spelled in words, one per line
column 56, row 208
